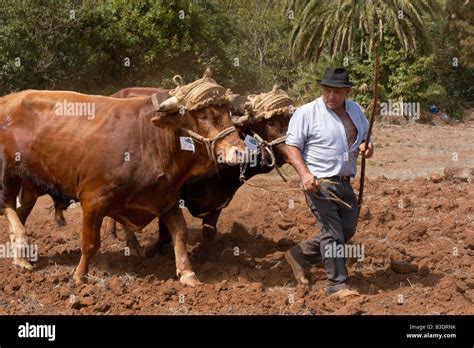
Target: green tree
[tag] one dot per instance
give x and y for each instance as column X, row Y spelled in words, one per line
column 345, row 25
column 101, row 46
column 37, row 44
column 347, row 32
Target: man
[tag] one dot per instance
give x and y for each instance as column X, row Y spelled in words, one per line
column 324, row 140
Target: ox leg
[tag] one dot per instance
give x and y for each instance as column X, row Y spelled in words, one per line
column 27, row 197
column 176, row 224
column 18, row 236
column 164, row 238
column 59, row 217
column 132, row 242
column 130, row 237
column 90, row 240
column 209, row 230
column 110, row 226
column 60, row 205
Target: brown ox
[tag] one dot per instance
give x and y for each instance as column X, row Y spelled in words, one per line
column 203, row 197
column 206, row 197
column 113, row 161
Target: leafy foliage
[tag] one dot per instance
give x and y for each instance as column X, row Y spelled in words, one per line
column 101, row 46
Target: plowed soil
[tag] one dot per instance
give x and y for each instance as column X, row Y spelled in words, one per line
column 417, row 233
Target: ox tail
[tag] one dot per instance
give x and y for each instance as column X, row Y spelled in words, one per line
column 61, row 203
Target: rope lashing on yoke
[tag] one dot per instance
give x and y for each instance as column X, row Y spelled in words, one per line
column 195, row 96
column 264, row 106
column 267, row 105
column 200, row 93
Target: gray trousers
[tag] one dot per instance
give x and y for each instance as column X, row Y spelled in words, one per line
column 338, row 224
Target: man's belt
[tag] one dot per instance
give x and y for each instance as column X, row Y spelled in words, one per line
column 339, row 178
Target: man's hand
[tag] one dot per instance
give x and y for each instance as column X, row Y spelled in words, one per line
column 366, row 153
column 310, row 183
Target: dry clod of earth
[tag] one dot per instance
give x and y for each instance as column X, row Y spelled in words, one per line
column 403, row 267
column 436, row 178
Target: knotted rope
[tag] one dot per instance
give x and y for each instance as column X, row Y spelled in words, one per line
column 264, row 106
column 333, row 196
column 275, row 102
column 209, row 142
column 198, row 95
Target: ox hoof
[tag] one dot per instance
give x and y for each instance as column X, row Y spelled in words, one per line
column 189, row 279
column 80, row 280
column 23, row 263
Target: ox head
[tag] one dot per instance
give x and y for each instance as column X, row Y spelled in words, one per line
column 267, row 115
column 201, row 110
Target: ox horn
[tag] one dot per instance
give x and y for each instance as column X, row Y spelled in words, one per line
column 169, row 104
column 240, row 120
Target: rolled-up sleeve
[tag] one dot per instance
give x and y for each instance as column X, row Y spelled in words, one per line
column 298, row 130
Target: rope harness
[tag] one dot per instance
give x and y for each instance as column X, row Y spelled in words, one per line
column 333, row 196
column 209, row 142
column 200, row 93
column 195, row 96
column 260, row 107
column 268, row 156
column 265, row 106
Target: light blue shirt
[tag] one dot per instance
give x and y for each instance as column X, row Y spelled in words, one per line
column 320, row 135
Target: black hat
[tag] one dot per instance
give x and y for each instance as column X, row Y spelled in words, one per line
column 338, row 77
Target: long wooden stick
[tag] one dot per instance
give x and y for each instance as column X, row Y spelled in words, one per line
column 371, row 124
